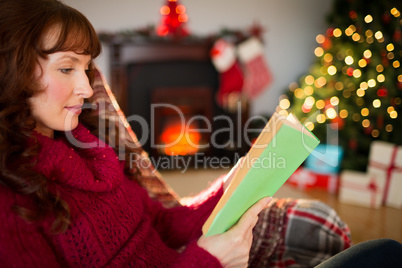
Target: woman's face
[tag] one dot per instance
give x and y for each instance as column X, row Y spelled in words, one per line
column 65, row 85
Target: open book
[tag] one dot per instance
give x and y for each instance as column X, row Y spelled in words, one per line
column 279, row 150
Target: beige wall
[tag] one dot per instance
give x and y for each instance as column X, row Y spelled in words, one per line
column 291, row 27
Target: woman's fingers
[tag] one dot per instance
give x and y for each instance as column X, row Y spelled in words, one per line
column 233, row 247
column 250, row 218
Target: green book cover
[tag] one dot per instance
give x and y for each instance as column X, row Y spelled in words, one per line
column 281, row 148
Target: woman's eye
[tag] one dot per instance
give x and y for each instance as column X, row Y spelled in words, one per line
column 66, row 70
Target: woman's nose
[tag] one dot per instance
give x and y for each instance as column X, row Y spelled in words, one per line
column 83, row 87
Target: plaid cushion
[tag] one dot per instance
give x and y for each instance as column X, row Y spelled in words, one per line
column 297, row 233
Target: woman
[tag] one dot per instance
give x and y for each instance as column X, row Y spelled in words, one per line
column 66, row 206
column 62, row 205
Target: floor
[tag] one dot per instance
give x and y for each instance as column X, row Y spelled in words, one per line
column 365, row 223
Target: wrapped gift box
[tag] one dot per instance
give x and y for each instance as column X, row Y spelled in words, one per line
column 361, row 189
column 305, row 179
column 385, row 161
column 325, row 159
column 394, row 194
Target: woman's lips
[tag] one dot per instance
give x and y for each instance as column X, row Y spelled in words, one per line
column 77, row 109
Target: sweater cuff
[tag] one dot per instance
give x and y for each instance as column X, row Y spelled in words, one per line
column 195, row 256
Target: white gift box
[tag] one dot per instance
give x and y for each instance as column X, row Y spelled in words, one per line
column 385, row 161
column 361, row 189
column 394, row 194
column 385, row 154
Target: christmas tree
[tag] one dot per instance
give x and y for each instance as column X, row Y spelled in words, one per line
column 354, row 87
column 173, row 20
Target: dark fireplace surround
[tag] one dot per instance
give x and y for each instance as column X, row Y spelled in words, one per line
column 170, row 72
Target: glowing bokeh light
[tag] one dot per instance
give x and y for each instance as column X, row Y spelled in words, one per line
column 309, row 90
column 390, row 109
column 320, row 39
column 284, row 104
column 376, row 103
column 343, row 113
column 381, row 78
column 363, row 85
column 328, row 57
column 371, row 83
column 362, row 63
column 319, row 51
column 165, row 10
column 379, row 68
column 337, row 32
column 368, row 18
column 364, row 112
column 320, row 118
column 331, row 113
column 309, row 126
column 356, row 37
column 360, row 92
column 395, row 12
column 332, row 70
column 309, row 101
column 180, row 9
column 183, row 18
column 357, row 73
column 367, row 54
column 390, row 47
column 320, row 104
column 366, row 123
column 375, row 133
column 334, row 100
column 309, row 80
column 320, row 82
column 349, row 60
column 299, row 93
column 389, row 128
column 378, row 35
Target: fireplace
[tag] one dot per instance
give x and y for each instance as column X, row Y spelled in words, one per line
column 168, row 91
column 179, row 117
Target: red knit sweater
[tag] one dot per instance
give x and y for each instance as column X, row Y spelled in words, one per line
column 113, row 221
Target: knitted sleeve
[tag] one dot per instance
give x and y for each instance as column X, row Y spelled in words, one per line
column 21, row 243
column 180, row 225
column 194, row 256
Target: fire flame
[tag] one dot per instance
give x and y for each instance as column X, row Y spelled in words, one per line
column 180, row 139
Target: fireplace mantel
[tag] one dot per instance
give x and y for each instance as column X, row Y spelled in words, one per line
column 124, row 52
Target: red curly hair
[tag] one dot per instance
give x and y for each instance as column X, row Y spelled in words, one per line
column 24, row 25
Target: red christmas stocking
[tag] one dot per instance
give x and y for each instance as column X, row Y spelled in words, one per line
column 223, row 56
column 256, row 71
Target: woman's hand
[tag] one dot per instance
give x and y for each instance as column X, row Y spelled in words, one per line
column 232, row 248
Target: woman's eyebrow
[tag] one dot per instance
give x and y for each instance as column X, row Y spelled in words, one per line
column 73, row 58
